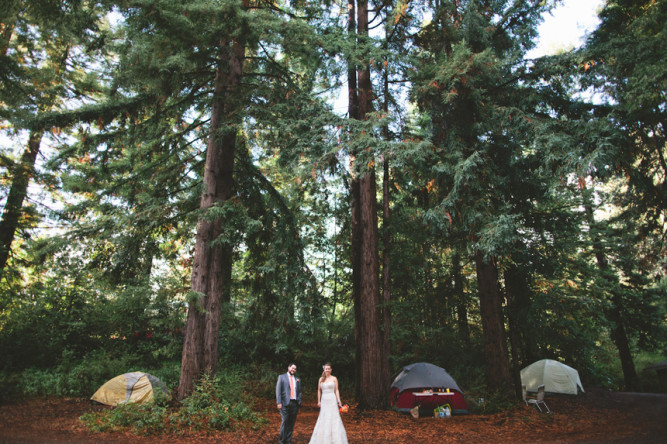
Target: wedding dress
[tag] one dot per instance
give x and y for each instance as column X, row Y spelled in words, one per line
column 329, row 428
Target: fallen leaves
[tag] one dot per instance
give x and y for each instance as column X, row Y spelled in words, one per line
column 597, row 416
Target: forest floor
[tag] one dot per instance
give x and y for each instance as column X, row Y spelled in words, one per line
column 599, row 416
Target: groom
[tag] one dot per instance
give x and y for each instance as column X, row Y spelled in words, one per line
column 288, row 398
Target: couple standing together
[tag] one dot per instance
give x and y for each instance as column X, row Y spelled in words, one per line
column 329, row 428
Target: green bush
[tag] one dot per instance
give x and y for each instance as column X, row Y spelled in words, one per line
column 143, row 419
column 79, row 377
column 215, row 404
column 480, row 402
column 62, row 319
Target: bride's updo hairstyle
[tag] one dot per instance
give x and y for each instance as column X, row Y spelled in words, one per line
column 324, row 375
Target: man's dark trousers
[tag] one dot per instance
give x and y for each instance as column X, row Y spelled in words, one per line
column 288, row 414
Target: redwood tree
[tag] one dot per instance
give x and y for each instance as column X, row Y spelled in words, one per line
column 493, row 327
column 371, row 390
column 212, row 259
column 474, row 85
column 199, row 72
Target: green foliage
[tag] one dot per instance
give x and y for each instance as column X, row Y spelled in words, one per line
column 481, row 402
column 80, row 377
column 624, row 60
column 493, row 149
column 215, row 404
column 53, row 322
column 45, row 320
column 142, row 419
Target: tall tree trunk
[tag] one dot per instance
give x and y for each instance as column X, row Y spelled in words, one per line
column 11, row 214
column 461, row 303
column 355, row 203
column 370, row 389
column 386, row 258
column 517, row 300
column 490, row 306
column 372, row 393
column 212, row 262
column 614, row 313
column 620, row 338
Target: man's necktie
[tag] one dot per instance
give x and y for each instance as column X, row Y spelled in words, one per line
column 292, row 394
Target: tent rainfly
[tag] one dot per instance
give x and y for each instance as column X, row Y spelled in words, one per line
column 556, row 377
column 128, row 388
column 426, row 386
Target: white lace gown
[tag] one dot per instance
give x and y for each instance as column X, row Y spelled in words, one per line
column 329, row 428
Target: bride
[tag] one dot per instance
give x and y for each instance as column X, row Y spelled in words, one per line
column 329, row 428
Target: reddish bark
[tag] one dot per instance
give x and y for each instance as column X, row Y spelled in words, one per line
column 461, row 305
column 371, row 391
column 386, row 282
column 490, row 306
column 210, row 271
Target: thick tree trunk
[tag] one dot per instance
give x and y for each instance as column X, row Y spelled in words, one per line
column 386, row 281
column 355, row 202
column 461, row 303
column 212, row 262
column 386, row 254
column 495, row 346
column 372, row 391
column 11, row 214
column 365, row 261
column 517, row 301
column 620, row 338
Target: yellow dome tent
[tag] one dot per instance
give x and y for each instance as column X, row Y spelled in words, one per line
column 129, row 388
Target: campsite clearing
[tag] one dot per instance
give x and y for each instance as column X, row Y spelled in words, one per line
column 597, row 416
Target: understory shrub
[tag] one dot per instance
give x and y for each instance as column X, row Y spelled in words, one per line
column 218, row 403
column 142, row 419
column 80, row 377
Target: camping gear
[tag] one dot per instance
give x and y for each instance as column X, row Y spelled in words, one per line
column 426, row 386
column 128, row 388
column 444, row 411
column 539, row 400
column 555, row 376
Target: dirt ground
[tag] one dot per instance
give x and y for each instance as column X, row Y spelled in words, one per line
column 599, row 416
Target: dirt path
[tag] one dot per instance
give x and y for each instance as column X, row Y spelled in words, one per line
column 598, row 416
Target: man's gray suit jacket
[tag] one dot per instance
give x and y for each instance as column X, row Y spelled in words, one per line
column 282, row 389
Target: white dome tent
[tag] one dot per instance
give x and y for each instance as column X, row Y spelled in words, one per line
column 555, row 376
